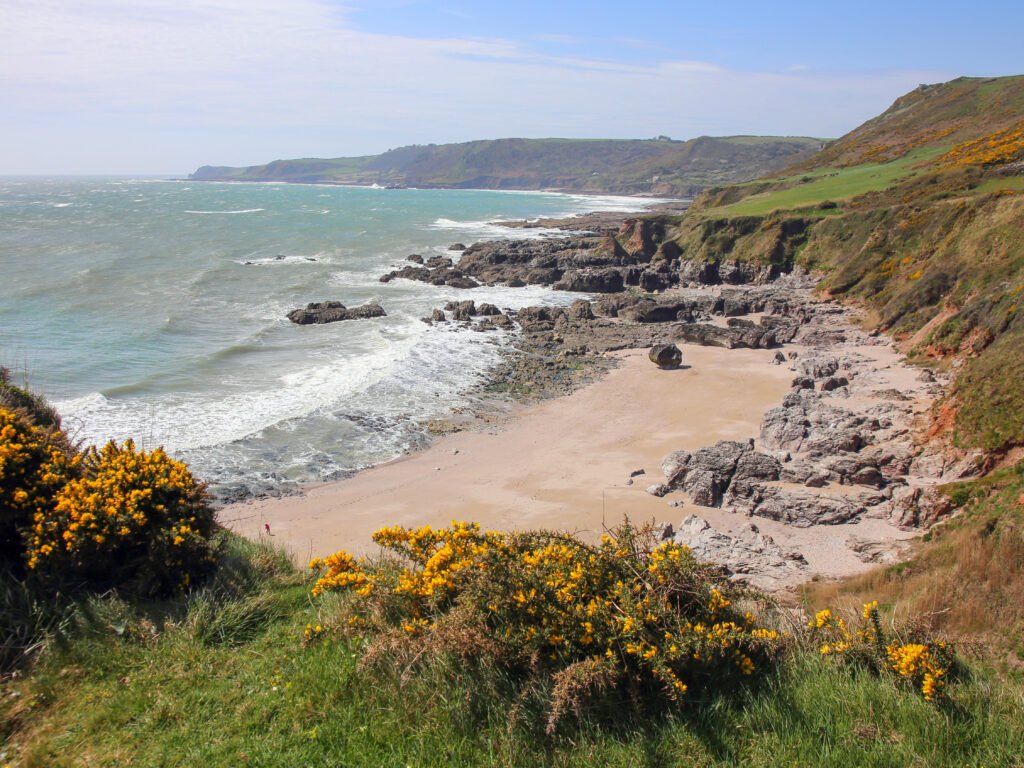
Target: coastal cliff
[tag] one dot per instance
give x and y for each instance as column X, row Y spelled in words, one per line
column 596, row 166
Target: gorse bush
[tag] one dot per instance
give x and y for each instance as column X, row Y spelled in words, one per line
column 628, row 614
column 925, row 666
column 34, row 465
column 132, row 517
column 114, row 517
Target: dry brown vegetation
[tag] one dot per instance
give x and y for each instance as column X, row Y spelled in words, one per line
column 966, row 578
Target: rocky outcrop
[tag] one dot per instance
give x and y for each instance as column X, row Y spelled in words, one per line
column 708, row 335
column 440, row 274
column 708, row 473
column 591, row 281
column 332, row 312
column 641, row 253
column 487, row 316
column 748, row 556
column 803, row 509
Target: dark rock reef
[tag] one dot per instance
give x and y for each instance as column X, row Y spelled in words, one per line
column 333, row 311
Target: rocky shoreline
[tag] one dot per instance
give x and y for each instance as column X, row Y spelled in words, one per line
column 847, row 444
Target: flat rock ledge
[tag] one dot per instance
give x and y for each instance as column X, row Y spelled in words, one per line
column 333, row 311
column 748, row 556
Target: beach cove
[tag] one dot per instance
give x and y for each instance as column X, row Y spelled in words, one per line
column 592, row 455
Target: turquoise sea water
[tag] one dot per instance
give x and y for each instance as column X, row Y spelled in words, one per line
column 156, row 310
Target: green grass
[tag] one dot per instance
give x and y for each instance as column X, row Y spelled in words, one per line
column 130, row 690
column 827, row 184
column 990, row 390
column 1015, row 183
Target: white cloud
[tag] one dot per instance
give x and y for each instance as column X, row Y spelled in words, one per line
column 168, row 84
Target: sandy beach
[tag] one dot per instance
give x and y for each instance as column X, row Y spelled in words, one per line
column 562, row 463
column 565, row 464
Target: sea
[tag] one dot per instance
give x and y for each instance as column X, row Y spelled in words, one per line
column 154, row 310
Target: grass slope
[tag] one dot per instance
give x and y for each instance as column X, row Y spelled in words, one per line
column 828, row 183
column 917, row 214
column 224, row 678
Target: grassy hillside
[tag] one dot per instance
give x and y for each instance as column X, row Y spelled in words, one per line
column 919, row 215
column 580, row 165
column 234, row 675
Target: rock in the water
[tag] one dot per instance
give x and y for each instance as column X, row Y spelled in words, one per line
column 666, row 355
column 457, row 247
column 461, row 310
column 333, row 311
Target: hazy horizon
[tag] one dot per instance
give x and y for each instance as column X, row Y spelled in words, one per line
column 119, row 87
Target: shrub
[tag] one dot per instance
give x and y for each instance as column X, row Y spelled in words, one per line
column 925, row 666
column 34, row 407
column 629, row 613
column 132, row 518
column 34, row 465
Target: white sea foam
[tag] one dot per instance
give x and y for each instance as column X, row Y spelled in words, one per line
column 187, row 421
column 280, row 260
column 495, row 230
column 243, row 210
column 201, row 357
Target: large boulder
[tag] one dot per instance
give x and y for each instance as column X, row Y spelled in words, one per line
column 803, row 509
column 707, row 335
column 580, row 310
column 666, row 356
column 707, row 472
column 785, row 428
column 818, row 367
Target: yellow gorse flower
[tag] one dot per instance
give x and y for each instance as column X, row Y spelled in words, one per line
column 650, row 609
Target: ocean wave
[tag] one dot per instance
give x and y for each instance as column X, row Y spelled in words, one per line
column 243, row 210
column 495, row 230
column 280, row 259
column 190, row 421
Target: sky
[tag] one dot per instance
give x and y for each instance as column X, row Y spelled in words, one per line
column 164, row 86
